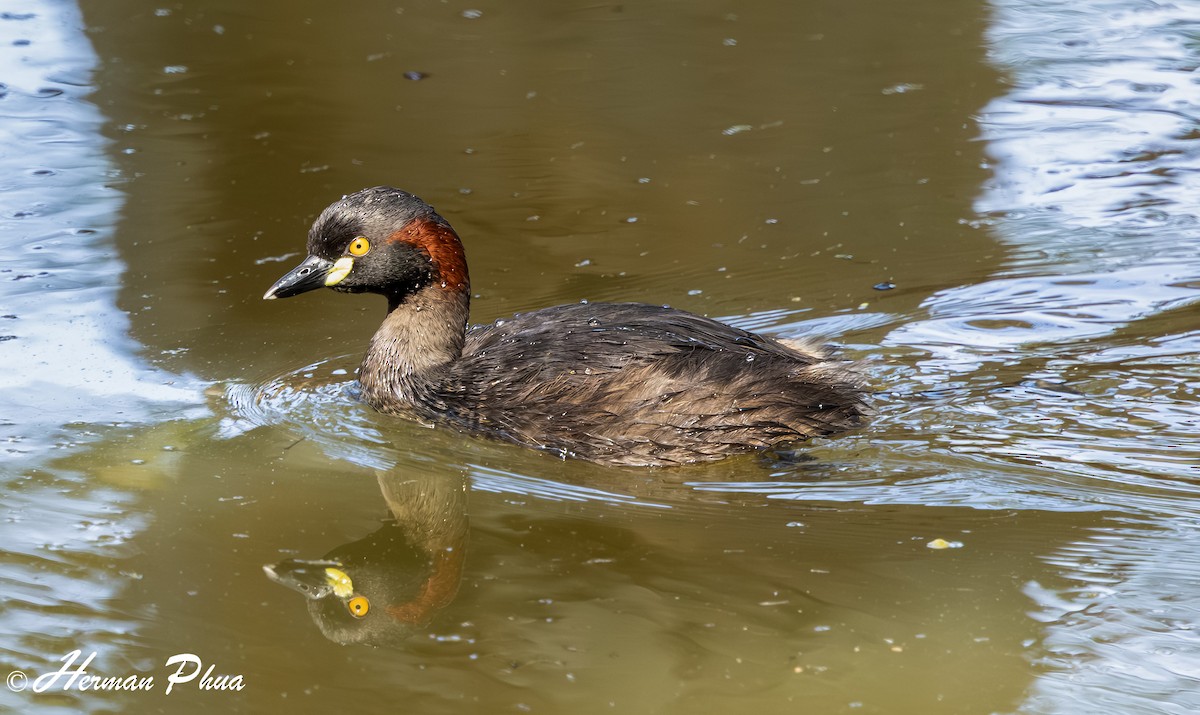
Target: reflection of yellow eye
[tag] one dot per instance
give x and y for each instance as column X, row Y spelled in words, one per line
column 359, row 246
column 358, row 606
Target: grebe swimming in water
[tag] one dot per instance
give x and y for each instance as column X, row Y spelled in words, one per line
column 616, row 383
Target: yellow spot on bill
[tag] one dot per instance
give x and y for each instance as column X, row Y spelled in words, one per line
column 339, row 581
column 340, row 270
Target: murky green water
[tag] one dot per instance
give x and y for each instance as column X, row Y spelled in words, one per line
column 1022, row 173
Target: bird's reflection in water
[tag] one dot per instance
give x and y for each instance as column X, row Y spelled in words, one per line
column 381, row 589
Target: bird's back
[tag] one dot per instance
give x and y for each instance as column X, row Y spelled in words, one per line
column 640, row 385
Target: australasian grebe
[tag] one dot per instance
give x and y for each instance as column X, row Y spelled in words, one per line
column 616, row 383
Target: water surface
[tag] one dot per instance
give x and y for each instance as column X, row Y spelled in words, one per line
column 989, row 204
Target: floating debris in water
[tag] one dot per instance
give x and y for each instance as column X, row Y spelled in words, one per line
column 943, row 544
column 736, row 129
column 275, row 259
column 903, row 88
column 415, row 76
column 886, row 285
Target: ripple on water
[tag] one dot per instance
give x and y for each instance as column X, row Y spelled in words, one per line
column 1098, row 124
column 1094, row 398
column 318, row 402
column 1121, row 636
column 71, row 371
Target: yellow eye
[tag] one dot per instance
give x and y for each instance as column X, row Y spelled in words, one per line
column 358, row 606
column 359, row 246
